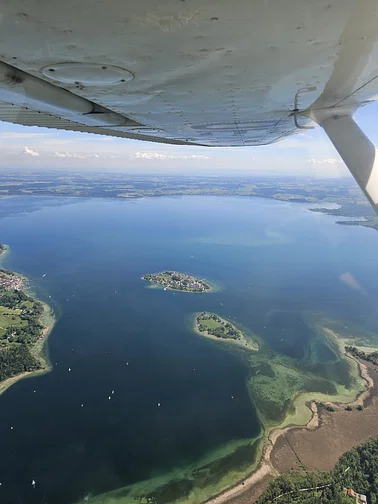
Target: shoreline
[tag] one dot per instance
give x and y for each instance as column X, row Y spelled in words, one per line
column 243, row 343
column 265, row 468
column 154, row 285
column 4, row 252
column 39, row 349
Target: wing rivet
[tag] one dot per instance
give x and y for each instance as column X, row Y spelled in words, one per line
column 87, row 74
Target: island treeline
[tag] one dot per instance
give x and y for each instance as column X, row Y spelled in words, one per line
column 214, row 325
column 355, row 473
column 20, row 328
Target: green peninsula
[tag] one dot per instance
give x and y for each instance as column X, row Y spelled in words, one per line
column 23, row 330
column 177, row 281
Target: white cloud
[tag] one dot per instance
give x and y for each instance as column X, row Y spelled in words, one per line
column 160, row 156
column 78, row 155
column 331, row 161
column 29, row 152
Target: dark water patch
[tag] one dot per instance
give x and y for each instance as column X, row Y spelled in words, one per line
column 241, row 458
column 265, row 369
column 320, row 352
column 319, row 385
column 273, row 411
column 339, row 372
column 288, row 334
column 171, row 492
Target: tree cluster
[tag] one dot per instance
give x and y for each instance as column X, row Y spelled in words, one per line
column 223, row 330
column 370, row 357
column 356, row 469
column 16, row 341
column 16, row 359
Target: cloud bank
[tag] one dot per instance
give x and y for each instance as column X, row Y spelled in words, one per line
column 163, row 157
column 330, row 161
column 29, row 152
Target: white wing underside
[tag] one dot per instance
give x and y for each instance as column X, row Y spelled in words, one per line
column 26, row 117
column 206, row 72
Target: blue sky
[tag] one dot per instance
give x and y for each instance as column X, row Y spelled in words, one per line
column 308, row 153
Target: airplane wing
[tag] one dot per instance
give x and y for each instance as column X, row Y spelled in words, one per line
column 202, row 72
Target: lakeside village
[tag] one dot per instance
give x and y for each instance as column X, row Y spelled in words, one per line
column 9, row 281
column 176, row 281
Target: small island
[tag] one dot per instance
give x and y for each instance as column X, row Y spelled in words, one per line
column 214, row 327
column 177, row 281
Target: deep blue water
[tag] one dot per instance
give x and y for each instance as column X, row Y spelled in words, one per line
column 116, row 334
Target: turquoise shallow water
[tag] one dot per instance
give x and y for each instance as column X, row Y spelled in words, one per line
column 271, row 261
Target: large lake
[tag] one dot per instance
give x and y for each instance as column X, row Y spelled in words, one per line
column 86, row 258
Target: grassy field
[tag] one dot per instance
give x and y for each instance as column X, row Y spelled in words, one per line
column 9, row 317
column 211, row 324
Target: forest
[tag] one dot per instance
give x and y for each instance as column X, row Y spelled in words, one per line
column 20, row 328
column 214, row 325
column 356, row 470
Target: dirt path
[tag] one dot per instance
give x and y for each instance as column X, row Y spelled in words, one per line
column 364, row 373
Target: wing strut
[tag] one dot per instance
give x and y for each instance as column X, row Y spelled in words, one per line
column 357, row 152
